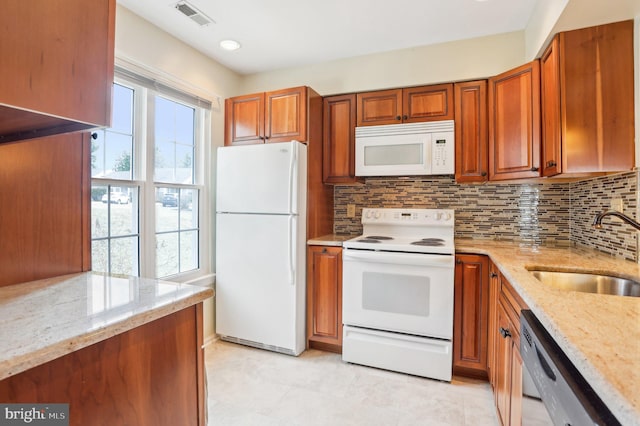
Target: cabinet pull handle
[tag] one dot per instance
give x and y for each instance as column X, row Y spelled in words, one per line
column 551, row 163
column 493, row 275
column 535, row 169
column 404, row 117
column 505, row 332
column 398, row 118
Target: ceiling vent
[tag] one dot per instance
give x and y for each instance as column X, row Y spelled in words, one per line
column 191, row 12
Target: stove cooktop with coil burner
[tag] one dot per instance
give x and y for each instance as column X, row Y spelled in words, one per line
column 406, row 230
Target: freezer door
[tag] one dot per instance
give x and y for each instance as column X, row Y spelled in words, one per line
column 262, row 178
column 260, row 280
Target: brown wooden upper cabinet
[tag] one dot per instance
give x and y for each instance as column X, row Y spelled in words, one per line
column 587, row 101
column 471, row 131
column 57, row 67
column 514, row 123
column 339, row 139
column 277, row 116
column 409, row 105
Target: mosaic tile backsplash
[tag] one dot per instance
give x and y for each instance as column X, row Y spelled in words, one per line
column 532, row 213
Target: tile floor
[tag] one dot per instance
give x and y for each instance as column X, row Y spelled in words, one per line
column 249, row 386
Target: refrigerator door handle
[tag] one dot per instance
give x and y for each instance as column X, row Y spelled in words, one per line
column 292, row 270
column 292, row 163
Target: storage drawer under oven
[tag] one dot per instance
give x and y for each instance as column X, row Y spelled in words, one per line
column 401, row 292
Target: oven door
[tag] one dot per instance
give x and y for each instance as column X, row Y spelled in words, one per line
column 403, row 292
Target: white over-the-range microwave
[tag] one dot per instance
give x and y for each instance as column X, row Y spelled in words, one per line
column 406, row 149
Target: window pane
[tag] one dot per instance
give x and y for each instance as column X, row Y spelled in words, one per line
column 122, row 120
column 188, row 251
column 124, row 212
column 112, row 149
column 100, row 256
column 99, row 211
column 98, row 165
column 166, row 254
column 174, row 141
column 188, row 208
column 167, row 210
column 124, row 256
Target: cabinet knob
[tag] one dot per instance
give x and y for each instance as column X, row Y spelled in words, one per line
column 551, row 163
column 505, row 332
column 398, row 118
column 266, row 138
column 535, row 169
column 493, row 275
column 94, row 136
column 483, row 174
column 324, row 250
column 404, row 117
column 458, row 261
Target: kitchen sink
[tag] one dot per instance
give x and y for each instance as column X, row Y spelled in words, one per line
column 588, row 283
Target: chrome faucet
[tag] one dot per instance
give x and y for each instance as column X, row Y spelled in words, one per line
column 597, row 222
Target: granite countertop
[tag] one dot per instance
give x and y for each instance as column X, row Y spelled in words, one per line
column 329, row 240
column 599, row 333
column 46, row 319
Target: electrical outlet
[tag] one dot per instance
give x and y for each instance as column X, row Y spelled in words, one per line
column 351, row 210
column 617, row 205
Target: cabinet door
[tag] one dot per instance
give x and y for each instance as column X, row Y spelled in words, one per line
column 339, row 139
column 471, row 314
column 471, row 131
column 427, row 103
column 286, row 115
column 244, row 120
column 324, row 298
column 377, row 108
column 596, row 72
column 515, row 403
column 502, row 390
column 494, row 288
column 57, row 66
column 514, row 123
column 550, row 111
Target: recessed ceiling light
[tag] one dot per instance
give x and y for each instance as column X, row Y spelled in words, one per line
column 230, row 45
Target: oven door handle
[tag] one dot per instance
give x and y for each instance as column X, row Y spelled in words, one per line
column 445, row 261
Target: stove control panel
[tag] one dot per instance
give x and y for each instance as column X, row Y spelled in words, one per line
column 408, row 217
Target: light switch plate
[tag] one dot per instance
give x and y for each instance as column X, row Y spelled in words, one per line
column 617, row 204
column 351, row 210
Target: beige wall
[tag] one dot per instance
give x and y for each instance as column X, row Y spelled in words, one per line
column 453, row 61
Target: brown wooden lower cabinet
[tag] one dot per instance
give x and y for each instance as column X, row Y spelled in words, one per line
column 471, row 315
column 507, row 363
column 324, row 298
column 150, row 375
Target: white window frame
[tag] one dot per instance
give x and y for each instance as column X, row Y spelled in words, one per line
column 143, row 174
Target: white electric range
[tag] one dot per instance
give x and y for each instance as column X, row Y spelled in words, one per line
column 398, row 292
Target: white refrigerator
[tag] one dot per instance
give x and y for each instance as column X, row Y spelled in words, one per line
column 261, row 228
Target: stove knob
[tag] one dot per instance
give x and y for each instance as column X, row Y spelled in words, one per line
column 368, row 215
column 438, row 216
column 447, row 216
column 377, row 215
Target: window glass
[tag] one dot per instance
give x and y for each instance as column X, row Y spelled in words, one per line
column 174, row 142
column 112, row 149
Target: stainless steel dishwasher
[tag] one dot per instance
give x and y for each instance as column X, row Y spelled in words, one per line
column 567, row 396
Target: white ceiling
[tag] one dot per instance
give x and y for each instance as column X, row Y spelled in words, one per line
column 278, row 34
